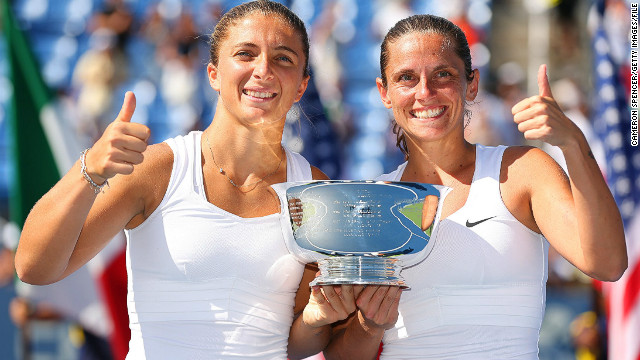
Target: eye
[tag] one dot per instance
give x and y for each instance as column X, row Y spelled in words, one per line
column 405, row 77
column 243, row 54
column 284, row 58
column 443, row 74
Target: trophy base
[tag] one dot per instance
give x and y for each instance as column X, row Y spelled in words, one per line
column 360, row 270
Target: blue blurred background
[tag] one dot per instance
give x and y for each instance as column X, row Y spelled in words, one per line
column 91, row 52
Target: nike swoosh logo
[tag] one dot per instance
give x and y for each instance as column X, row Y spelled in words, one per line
column 472, row 224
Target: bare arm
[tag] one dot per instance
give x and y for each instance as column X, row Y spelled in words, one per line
column 578, row 216
column 360, row 336
column 350, row 334
column 71, row 223
column 305, row 340
column 316, row 309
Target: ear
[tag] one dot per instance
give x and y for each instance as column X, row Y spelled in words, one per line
column 472, row 86
column 302, row 88
column 212, row 74
column 383, row 93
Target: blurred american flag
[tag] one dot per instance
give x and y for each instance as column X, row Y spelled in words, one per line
column 612, row 123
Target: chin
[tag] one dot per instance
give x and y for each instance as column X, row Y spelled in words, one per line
column 428, row 135
column 262, row 120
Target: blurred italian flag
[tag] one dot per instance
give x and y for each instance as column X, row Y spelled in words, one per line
column 43, row 146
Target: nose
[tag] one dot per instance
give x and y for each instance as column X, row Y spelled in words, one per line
column 262, row 69
column 423, row 91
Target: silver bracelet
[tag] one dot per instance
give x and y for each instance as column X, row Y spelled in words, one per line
column 83, row 168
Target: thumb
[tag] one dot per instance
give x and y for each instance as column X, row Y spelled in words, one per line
column 317, row 295
column 543, row 82
column 128, row 107
column 429, row 209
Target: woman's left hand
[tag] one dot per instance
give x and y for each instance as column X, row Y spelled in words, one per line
column 378, row 306
column 540, row 118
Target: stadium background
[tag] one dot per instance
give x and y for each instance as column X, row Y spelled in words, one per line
column 90, row 52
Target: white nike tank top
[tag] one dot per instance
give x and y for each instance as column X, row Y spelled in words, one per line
column 205, row 283
column 481, row 292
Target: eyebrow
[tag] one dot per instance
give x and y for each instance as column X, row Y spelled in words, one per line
column 444, row 66
column 410, row 71
column 279, row 47
column 402, row 71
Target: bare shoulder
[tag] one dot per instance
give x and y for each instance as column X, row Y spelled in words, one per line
column 524, row 154
column 158, row 161
column 527, row 172
column 530, row 165
column 148, row 182
column 318, row 174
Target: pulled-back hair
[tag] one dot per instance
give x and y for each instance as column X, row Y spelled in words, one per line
column 427, row 24
column 424, row 24
column 264, row 7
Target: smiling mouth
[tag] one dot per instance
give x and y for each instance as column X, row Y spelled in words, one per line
column 259, row 94
column 426, row 114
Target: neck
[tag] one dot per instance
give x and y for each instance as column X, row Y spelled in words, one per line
column 437, row 161
column 241, row 151
column 256, row 130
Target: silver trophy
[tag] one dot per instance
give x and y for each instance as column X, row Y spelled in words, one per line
column 360, row 232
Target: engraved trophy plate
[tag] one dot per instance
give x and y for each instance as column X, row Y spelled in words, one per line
column 360, row 232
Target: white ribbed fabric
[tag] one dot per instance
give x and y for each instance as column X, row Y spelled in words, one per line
column 481, row 292
column 205, row 283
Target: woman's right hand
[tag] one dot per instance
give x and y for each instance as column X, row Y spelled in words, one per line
column 360, row 337
column 330, row 303
column 120, row 147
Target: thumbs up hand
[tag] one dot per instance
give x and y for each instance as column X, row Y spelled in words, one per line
column 120, row 146
column 540, row 118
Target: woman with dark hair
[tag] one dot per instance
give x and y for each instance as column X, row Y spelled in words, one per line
column 209, row 275
column 481, row 292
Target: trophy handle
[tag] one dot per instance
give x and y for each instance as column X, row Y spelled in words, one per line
column 418, row 257
column 303, row 255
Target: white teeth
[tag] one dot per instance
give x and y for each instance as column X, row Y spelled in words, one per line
column 425, row 114
column 258, row 94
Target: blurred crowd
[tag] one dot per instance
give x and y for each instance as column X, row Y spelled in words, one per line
column 93, row 51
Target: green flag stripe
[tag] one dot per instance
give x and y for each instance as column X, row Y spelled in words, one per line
column 27, row 64
column 35, row 170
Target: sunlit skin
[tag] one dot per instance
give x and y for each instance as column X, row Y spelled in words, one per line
column 257, row 57
column 427, row 90
column 424, row 88
column 258, row 61
column 259, row 75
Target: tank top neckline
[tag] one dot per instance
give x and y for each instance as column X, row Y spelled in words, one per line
column 473, row 179
column 202, row 196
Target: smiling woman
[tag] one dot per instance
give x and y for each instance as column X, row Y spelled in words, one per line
column 481, row 292
column 209, row 274
column 253, row 70
column 420, row 68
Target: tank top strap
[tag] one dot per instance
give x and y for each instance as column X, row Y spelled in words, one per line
column 186, row 160
column 298, row 168
column 194, row 146
column 485, row 186
column 395, row 175
column 489, row 161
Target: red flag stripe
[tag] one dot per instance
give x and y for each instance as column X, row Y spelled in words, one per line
column 631, row 291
